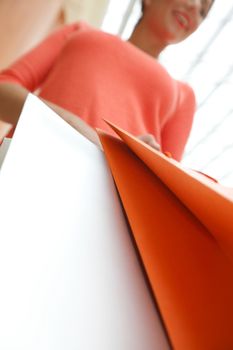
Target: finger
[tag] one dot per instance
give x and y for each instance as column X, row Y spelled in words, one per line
column 155, row 145
column 150, row 140
column 4, row 129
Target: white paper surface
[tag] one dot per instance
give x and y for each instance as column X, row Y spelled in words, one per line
column 3, row 149
column 69, row 275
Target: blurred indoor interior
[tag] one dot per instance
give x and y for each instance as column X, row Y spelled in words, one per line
column 205, row 61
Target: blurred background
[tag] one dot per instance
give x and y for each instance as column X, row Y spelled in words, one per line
column 205, row 61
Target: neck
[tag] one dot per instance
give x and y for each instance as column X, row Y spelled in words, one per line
column 145, row 40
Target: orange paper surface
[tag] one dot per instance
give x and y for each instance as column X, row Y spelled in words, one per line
column 182, row 224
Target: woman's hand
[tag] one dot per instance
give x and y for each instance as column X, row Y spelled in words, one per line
column 12, row 98
column 150, row 140
column 4, row 130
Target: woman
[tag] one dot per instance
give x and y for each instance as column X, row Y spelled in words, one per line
column 84, row 72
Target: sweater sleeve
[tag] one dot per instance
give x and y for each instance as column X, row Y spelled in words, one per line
column 175, row 132
column 32, row 68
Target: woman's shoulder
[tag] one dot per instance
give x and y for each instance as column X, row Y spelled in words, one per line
column 184, row 85
column 82, row 25
column 75, row 27
column 186, row 91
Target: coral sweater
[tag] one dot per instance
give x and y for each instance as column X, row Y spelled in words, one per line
column 97, row 75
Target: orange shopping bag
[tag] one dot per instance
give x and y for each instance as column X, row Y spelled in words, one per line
column 182, row 224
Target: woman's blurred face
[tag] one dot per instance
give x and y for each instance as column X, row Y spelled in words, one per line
column 172, row 21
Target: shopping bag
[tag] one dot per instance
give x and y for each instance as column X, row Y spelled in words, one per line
column 3, row 149
column 182, row 223
column 70, row 277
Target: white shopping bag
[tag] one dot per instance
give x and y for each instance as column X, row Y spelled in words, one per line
column 70, row 277
column 3, row 149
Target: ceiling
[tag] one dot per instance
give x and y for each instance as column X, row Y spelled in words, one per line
column 205, row 61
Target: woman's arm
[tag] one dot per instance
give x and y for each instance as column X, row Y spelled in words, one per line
column 12, row 98
column 176, row 131
column 27, row 74
column 31, row 69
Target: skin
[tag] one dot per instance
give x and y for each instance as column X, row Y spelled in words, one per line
column 163, row 22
